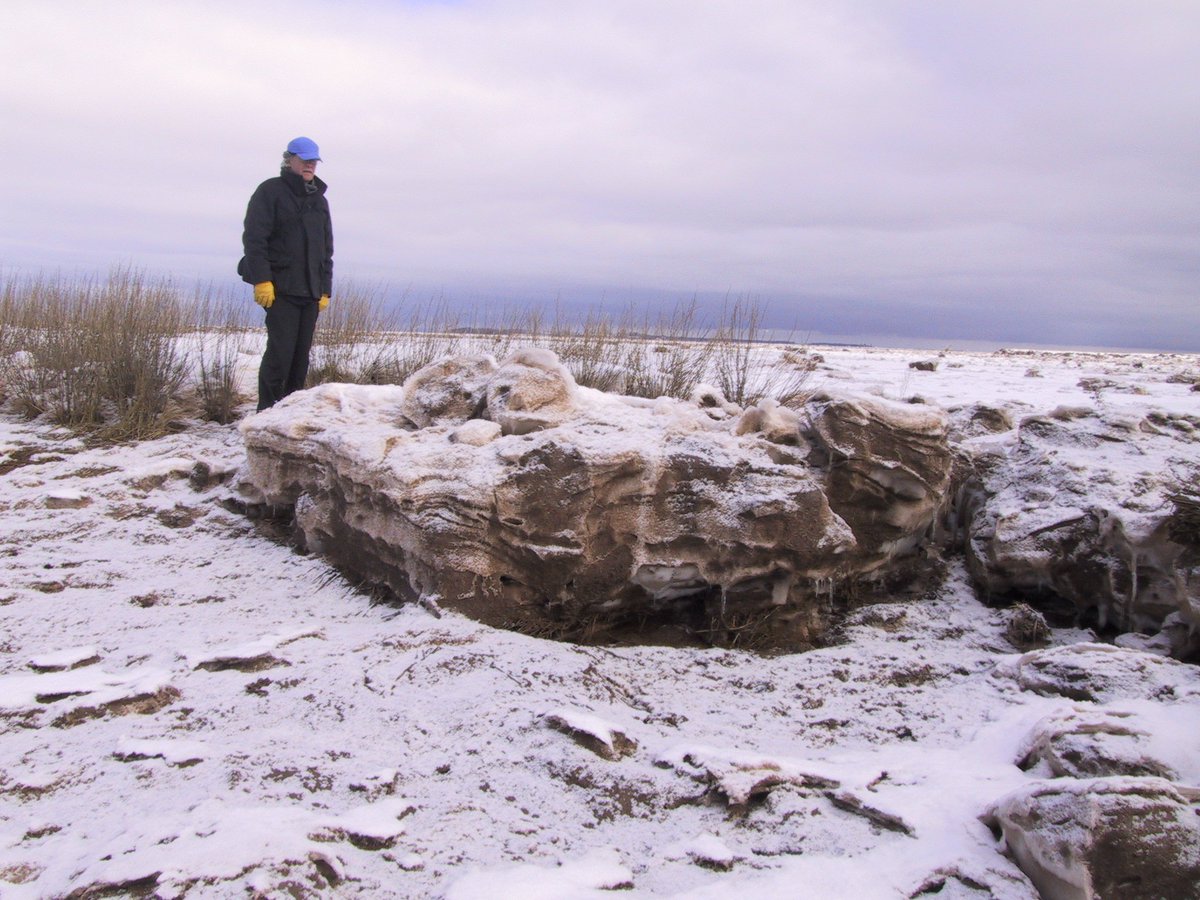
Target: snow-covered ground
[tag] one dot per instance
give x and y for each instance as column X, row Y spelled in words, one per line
column 188, row 707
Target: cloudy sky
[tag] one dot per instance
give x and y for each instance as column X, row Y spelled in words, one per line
column 1006, row 171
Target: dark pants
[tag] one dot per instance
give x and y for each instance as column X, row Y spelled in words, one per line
column 290, row 325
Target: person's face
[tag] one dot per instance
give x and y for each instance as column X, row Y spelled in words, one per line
column 305, row 168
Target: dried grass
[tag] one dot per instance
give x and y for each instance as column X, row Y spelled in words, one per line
column 672, row 361
column 97, row 357
column 346, row 342
column 122, row 358
column 744, row 373
column 362, row 338
column 666, row 357
column 221, row 333
column 594, row 353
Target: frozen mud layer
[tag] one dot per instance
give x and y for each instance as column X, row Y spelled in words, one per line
column 514, row 496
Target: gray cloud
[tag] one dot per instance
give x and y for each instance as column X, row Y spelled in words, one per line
column 1008, row 171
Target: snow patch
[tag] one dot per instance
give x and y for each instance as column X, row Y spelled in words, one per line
column 59, row 660
column 587, row 878
column 174, row 752
column 261, row 650
column 705, row 850
column 97, row 686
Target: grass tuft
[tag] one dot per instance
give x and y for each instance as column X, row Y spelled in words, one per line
column 123, row 358
column 97, row 357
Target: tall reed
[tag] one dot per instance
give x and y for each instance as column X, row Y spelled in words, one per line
column 673, row 360
column 138, row 325
column 221, row 321
column 347, row 343
column 595, row 352
column 742, row 370
column 102, row 357
column 430, row 333
column 122, row 358
column 362, row 338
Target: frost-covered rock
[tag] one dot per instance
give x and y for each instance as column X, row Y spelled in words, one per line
column 738, row 778
column 1180, row 635
column 173, row 751
column 249, row 656
column 778, row 424
column 1086, row 743
column 477, row 432
column 98, row 687
column 448, row 391
column 1104, row 837
column 714, row 402
column 980, row 420
column 592, row 510
column 532, row 390
column 1102, row 673
column 1074, row 504
column 373, row 826
column 888, row 467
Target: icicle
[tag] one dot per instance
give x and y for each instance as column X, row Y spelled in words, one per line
column 1133, row 588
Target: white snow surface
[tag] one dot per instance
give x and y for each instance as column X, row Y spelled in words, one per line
column 582, row 721
column 64, row 659
column 240, row 719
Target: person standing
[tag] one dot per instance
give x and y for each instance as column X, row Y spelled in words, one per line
column 287, row 240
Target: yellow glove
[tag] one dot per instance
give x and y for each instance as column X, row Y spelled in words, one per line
column 264, row 294
column 322, row 303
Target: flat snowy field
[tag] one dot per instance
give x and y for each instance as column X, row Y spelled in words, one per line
column 188, row 708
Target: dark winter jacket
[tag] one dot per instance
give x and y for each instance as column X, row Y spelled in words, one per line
column 288, row 237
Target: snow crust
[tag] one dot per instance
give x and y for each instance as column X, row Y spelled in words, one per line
column 593, row 875
column 98, row 686
column 586, row 723
column 64, row 659
column 252, row 724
